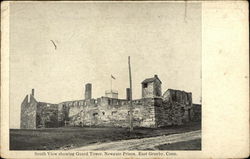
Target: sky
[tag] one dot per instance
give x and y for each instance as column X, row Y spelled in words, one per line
column 93, row 41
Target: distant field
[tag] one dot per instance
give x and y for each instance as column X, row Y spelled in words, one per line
column 70, row 137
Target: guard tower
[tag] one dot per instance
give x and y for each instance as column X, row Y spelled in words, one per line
column 151, row 87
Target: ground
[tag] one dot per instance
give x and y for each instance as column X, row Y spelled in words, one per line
column 184, row 145
column 174, row 141
column 75, row 137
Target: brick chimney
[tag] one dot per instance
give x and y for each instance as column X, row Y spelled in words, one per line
column 128, row 93
column 88, row 91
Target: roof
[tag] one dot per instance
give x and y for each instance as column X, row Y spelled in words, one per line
column 148, row 80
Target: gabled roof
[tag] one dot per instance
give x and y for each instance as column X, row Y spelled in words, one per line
column 148, row 80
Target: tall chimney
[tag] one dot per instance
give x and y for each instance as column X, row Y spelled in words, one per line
column 33, row 92
column 88, row 91
column 128, row 93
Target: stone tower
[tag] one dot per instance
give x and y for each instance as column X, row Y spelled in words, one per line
column 88, row 91
column 151, row 87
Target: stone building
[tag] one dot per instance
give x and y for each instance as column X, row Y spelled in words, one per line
column 36, row 114
column 174, row 107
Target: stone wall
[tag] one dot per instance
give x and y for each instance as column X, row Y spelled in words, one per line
column 196, row 112
column 176, row 108
column 24, row 104
column 178, row 96
column 172, row 113
column 173, row 108
column 63, row 114
column 47, row 115
column 112, row 112
column 28, row 113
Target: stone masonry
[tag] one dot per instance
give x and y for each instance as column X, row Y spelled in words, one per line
column 174, row 107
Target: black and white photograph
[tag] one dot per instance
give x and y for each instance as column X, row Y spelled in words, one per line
column 124, row 79
column 105, row 76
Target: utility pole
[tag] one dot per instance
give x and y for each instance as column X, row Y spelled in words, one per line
column 131, row 106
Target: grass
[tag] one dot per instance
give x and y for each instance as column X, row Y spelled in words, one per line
column 63, row 138
column 185, row 145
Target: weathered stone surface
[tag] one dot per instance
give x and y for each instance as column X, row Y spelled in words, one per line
column 38, row 114
column 174, row 107
column 178, row 96
column 28, row 113
column 63, row 114
column 47, row 115
column 196, row 112
column 113, row 112
column 151, row 87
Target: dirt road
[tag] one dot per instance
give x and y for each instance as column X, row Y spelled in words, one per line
column 144, row 143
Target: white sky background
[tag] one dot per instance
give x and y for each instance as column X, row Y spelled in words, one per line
column 94, row 41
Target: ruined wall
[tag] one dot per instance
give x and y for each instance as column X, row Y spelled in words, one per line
column 174, row 109
column 47, row 115
column 112, row 112
column 23, row 114
column 28, row 113
column 67, row 110
column 147, row 112
column 196, row 113
column 172, row 113
column 178, row 96
column 63, row 114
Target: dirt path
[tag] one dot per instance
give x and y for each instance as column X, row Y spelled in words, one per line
column 144, row 143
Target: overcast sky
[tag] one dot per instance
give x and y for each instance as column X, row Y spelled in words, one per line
column 94, row 41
